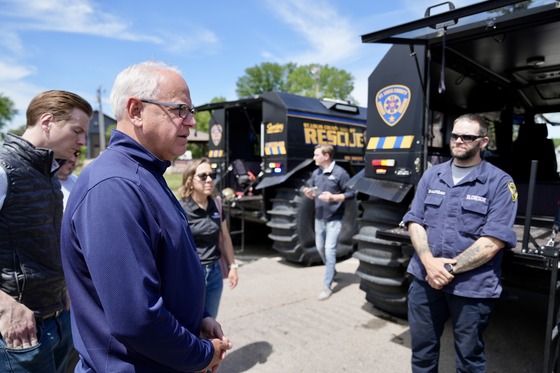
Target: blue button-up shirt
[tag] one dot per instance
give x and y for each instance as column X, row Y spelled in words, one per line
column 484, row 203
column 333, row 179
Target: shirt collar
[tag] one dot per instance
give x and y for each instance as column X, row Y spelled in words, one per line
column 55, row 166
column 137, row 152
column 480, row 173
column 329, row 169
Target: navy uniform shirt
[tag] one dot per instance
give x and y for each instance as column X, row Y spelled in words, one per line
column 484, row 203
column 205, row 227
column 332, row 179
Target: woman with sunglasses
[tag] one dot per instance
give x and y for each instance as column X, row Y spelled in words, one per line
column 206, row 223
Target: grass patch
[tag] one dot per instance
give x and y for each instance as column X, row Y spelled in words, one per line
column 174, row 181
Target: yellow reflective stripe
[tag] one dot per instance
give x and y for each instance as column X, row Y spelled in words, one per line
column 217, row 153
column 275, row 150
column 390, row 142
column 372, row 144
column 407, row 142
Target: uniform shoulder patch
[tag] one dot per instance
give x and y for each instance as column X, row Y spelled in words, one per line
column 513, row 190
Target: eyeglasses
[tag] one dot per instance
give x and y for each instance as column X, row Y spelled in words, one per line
column 465, row 138
column 184, row 109
column 204, row 176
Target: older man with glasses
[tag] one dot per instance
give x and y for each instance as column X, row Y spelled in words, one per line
column 460, row 220
column 134, row 276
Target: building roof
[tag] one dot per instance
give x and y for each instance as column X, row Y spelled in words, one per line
column 198, row 136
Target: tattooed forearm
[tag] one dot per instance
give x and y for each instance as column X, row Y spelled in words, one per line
column 480, row 252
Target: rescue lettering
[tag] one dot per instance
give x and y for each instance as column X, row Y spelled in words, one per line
column 317, row 136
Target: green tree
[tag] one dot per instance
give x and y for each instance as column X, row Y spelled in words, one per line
column 266, row 77
column 203, row 117
column 313, row 80
column 20, row 130
column 321, row 81
column 7, row 110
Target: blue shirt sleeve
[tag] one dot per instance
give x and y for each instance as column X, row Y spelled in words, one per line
column 502, row 212
column 344, row 179
column 416, row 212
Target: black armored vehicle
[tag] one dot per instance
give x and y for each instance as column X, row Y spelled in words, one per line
column 262, row 148
column 499, row 59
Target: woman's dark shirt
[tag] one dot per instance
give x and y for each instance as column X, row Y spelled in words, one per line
column 205, row 226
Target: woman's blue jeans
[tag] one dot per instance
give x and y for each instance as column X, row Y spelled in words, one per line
column 50, row 354
column 214, row 287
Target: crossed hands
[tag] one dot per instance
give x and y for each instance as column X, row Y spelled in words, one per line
column 212, row 330
column 437, row 276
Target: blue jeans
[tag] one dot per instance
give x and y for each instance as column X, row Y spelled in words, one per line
column 49, row 355
column 326, row 239
column 428, row 311
column 214, row 287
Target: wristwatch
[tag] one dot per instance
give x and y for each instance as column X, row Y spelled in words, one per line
column 448, row 267
column 233, row 266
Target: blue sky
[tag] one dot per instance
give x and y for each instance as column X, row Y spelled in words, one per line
column 81, row 45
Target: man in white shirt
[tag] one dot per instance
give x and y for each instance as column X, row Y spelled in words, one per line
column 66, row 177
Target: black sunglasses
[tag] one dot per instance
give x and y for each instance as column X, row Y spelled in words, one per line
column 204, row 176
column 465, row 138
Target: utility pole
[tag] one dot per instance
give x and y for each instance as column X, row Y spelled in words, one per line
column 101, row 119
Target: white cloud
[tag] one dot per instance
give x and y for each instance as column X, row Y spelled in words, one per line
column 331, row 38
column 200, row 39
column 16, row 89
column 10, row 72
column 20, row 93
column 72, row 16
column 11, row 41
column 87, row 17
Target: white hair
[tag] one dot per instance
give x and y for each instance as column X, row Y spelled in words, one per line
column 141, row 80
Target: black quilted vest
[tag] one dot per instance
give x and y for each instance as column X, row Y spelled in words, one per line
column 30, row 264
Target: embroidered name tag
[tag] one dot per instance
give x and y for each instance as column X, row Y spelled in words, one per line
column 470, row 197
column 436, row 191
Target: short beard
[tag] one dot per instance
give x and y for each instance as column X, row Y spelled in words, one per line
column 468, row 155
